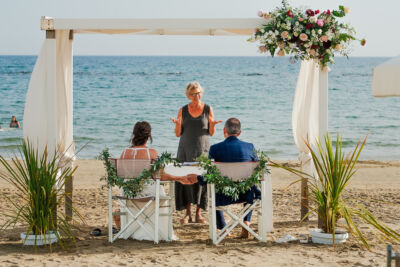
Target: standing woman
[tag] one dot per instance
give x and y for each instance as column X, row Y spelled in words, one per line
column 194, row 125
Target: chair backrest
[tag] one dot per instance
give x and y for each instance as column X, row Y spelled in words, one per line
column 236, row 171
column 130, row 168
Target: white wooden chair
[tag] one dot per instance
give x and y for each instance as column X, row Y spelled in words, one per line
column 237, row 172
column 139, row 213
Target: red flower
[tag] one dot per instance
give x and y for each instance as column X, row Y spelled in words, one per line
column 328, row 12
column 316, row 12
column 309, row 12
column 363, row 42
column 309, row 26
column 289, row 13
column 314, row 46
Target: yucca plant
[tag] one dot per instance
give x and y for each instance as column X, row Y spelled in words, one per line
column 334, row 171
column 38, row 179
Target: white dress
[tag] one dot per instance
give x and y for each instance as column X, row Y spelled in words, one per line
column 135, row 231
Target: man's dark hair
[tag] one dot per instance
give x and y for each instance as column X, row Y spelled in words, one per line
column 232, row 126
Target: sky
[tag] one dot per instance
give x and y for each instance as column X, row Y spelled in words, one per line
column 20, row 34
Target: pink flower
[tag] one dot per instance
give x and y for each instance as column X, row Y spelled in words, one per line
column 262, row 49
column 303, row 37
column 284, row 34
column 323, row 38
column 300, row 19
column 320, row 22
column 255, row 30
column 260, row 13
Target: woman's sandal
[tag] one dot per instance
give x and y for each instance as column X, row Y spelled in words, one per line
column 200, row 219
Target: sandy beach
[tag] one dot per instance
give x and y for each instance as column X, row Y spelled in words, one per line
column 376, row 185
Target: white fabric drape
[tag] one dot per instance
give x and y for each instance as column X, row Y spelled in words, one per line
column 310, row 110
column 48, row 108
column 386, row 78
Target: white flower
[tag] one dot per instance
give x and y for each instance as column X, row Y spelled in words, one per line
column 296, row 34
column 347, row 10
column 312, row 19
column 276, row 32
column 328, row 51
column 297, row 23
column 262, row 30
column 319, row 31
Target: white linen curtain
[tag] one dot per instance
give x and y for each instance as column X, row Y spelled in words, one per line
column 386, row 78
column 310, row 110
column 48, row 110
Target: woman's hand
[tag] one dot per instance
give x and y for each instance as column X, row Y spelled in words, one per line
column 178, row 123
column 213, row 123
column 189, row 179
column 211, row 126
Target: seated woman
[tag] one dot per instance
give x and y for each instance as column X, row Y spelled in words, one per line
column 138, row 150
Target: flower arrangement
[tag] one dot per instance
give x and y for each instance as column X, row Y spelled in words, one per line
column 305, row 34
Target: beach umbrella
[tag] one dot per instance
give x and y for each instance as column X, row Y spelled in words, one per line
column 386, row 78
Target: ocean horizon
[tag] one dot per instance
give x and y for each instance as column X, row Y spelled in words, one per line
column 111, row 93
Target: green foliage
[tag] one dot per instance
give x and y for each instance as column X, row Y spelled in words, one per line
column 334, row 171
column 133, row 187
column 38, row 179
column 225, row 185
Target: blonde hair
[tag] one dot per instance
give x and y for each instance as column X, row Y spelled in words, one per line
column 192, row 86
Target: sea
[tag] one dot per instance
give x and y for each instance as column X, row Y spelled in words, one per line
column 111, row 93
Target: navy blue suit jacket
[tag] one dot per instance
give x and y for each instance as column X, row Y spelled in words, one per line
column 232, row 150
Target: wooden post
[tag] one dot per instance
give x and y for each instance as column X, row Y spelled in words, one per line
column 304, row 200
column 68, row 198
column 50, row 34
column 69, row 185
column 69, row 188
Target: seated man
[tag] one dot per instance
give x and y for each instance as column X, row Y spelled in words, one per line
column 234, row 150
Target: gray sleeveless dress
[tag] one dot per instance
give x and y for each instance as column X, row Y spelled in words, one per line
column 193, row 142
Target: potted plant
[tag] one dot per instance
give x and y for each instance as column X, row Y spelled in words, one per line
column 38, row 179
column 333, row 173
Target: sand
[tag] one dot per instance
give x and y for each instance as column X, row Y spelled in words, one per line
column 376, row 185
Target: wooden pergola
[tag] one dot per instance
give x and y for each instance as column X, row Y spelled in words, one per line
column 48, row 115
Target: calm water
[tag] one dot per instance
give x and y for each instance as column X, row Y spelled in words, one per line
column 111, row 93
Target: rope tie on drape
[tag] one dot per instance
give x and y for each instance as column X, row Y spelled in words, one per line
column 304, row 158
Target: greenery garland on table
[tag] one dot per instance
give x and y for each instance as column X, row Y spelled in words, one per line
column 224, row 184
column 133, row 187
